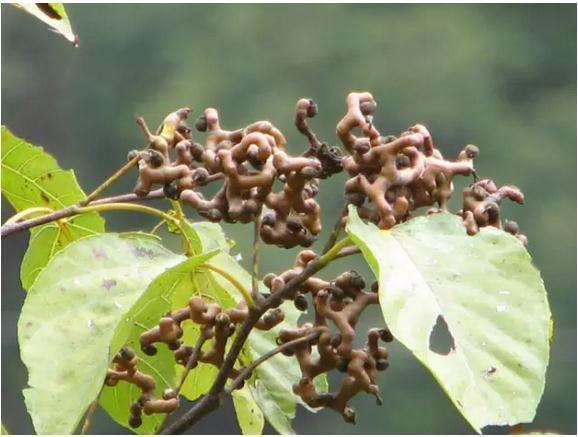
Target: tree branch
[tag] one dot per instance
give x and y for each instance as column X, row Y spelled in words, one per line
column 246, row 372
column 211, row 401
column 74, row 210
column 111, row 180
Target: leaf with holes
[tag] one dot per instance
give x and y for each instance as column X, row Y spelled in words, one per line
column 52, row 14
column 473, row 310
column 32, row 178
column 144, row 314
column 69, row 318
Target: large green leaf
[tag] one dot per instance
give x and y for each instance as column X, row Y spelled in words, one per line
column 70, row 315
column 145, row 314
column 172, row 290
column 482, row 294
column 32, row 178
column 52, row 14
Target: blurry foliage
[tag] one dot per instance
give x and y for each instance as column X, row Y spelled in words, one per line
column 501, row 77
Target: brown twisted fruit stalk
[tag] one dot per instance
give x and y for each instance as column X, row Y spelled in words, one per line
column 126, row 370
column 294, row 216
column 172, row 130
column 329, row 157
column 396, row 175
column 338, row 305
column 215, row 323
column 249, row 175
column 482, row 207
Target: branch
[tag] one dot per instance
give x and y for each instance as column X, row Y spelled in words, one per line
column 255, row 271
column 211, row 401
column 246, row 372
column 111, row 180
column 347, row 251
column 191, row 363
column 74, row 210
column 244, row 292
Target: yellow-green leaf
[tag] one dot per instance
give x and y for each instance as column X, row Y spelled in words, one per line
column 473, row 310
column 249, row 415
column 143, row 315
column 69, row 318
column 32, row 178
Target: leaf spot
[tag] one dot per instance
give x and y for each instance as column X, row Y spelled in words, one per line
column 141, row 252
column 501, row 307
column 108, row 283
column 99, row 253
column 440, row 340
column 90, row 323
column 490, row 371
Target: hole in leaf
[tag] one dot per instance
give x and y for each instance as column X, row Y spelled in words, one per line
column 440, row 340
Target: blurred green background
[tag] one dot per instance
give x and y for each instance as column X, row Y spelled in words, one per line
column 501, row 77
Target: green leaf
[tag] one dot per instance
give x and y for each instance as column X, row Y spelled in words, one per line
column 171, row 290
column 54, row 15
column 199, row 379
column 3, row 430
column 143, row 315
column 69, row 318
column 32, row 178
column 482, row 294
column 249, row 415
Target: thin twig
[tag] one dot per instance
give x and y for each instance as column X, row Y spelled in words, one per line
column 191, row 363
column 336, row 230
column 244, row 292
column 120, row 172
column 72, row 210
column 246, row 372
column 28, row 212
column 347, row 251
column 157, row 226
column 257, row 297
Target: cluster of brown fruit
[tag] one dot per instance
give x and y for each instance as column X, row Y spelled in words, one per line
column 389, row 176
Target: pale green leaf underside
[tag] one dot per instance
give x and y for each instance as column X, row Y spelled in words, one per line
column 69, row 317
column 249, row 415
column 489, row 294
column 170, row 291
column 145, row 314
column 57, row 20
column 32, row 178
